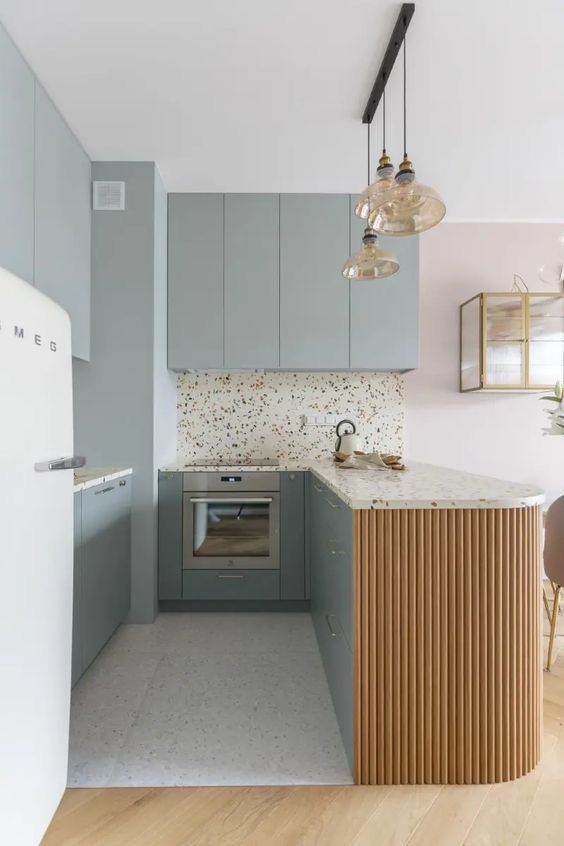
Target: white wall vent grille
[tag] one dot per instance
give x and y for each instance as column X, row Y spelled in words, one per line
column 108, row 196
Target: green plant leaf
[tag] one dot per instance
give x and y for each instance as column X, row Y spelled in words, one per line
column 552, row 399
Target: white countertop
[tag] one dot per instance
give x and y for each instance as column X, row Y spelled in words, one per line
column 423, row 486
column 89, row 477
column 420, row 486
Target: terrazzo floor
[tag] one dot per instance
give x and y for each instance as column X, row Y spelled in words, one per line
column 207, row 699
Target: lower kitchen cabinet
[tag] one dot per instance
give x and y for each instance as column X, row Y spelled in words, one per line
column 292, row 536
column 76, row 670
column 331, row 599
column 170, row 536
column 288, row 584
column 231, row 584
column 102, row 568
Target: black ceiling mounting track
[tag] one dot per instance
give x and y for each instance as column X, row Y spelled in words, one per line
column 392, row 50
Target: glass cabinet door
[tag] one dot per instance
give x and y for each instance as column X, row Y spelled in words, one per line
column 471, row 345
column 546, row 340
column 504, row 340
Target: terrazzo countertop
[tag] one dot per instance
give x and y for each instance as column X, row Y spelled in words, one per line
column 423, row 486
column 89, row 477
column 420, row 486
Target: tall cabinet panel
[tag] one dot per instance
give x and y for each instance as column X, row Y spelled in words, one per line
column 251, row 244
column 62, row 219
column 314, row 297
column 16, row 161
column 385, row 312
column 195, row 281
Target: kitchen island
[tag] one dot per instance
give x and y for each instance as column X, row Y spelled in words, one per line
column 445, row 622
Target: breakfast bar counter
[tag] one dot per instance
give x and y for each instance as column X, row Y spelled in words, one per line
column 446, row 624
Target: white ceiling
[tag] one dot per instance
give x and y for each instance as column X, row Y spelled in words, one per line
column 255, row 95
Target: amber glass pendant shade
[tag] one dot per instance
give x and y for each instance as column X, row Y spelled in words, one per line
column 408, row 207
column 370, row 262
column 369, row 199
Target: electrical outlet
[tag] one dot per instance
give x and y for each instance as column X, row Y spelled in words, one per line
column 320, row 419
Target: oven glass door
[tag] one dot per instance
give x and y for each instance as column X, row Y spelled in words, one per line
column 228, row 530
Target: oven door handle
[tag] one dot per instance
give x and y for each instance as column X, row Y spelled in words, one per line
column 240, row 500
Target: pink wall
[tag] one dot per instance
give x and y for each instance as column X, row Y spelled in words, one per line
column 495, row 434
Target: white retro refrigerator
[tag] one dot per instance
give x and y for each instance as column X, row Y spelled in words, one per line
column 36, row 558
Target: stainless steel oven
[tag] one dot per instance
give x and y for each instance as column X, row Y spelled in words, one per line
column 231, row 520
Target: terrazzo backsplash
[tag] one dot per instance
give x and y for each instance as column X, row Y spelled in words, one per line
column 235, row 417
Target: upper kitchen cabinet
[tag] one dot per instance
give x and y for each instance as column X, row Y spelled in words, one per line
column 385, row 312
column 16, row 161
column 255, row 283
column 314, row 297
column 62, row 219
column 251, row 281
column 195, row 281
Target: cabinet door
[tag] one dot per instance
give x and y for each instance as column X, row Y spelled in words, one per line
column 122, row 550
column 76, row 671
column 385, row 312
column 104, row 544
column 331, row 592
column 504, row 340
column 546, row 340
column 292, row 536
column 170, row 536
column 195, row 281
column 62, row 219
column 314, row 297
column 251, row 281
column 231, row 585
column 16, row 161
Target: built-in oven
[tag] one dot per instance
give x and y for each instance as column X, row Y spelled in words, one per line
column 231, row 520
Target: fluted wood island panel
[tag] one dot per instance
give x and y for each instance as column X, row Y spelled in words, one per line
column 447, row 674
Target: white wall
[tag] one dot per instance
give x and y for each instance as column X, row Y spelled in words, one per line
column 495, row 434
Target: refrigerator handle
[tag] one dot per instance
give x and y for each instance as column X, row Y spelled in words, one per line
column 61, row 464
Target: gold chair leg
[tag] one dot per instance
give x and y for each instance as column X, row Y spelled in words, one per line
column 553, row 622
column 546, row 605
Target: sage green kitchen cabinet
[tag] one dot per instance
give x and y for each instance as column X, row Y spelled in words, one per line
column 16, row 160
column 231, row 585
column 103, row 567
column 331, row 599
column 251, row 281
column 385, row 312
column 314, row 297
column 170, row 536
column 195, row 281
column 255, row 282
column 62, row 219
column 76, row 670
column 292, row 536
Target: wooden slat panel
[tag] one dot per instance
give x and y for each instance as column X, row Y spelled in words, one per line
column 447, row 664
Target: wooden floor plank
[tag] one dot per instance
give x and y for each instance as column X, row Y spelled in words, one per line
column 398, row 816
column 450, row 817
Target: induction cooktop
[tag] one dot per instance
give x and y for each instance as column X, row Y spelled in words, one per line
column 237, row 462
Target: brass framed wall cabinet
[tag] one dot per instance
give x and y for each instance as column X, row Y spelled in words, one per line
column 512, row 341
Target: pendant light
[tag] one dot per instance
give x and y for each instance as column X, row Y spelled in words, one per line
column 370, row 262
column 408, row 207
column 368, row 200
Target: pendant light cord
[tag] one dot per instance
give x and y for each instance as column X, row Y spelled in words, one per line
column 384, row 117
column 368, row 149
column 404, row 97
